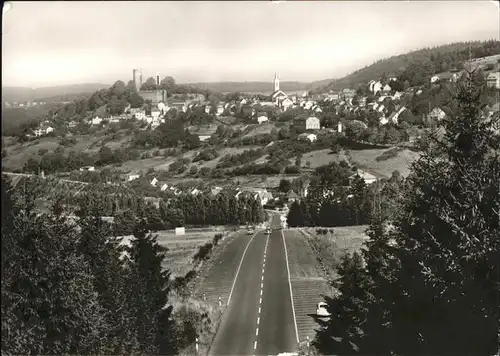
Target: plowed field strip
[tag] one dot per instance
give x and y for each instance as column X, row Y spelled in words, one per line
column 220, row 276
column 308, row 283
column 306, row 296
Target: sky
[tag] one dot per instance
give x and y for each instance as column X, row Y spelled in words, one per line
column 65, row 42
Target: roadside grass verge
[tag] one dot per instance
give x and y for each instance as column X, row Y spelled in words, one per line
column 331, row 244
column 301, row 259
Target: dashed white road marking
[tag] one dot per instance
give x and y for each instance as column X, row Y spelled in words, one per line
column 261, row 292
column 239, row 267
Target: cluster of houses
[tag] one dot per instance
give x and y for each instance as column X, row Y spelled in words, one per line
column 262, row 195
column 492, row 79
column 25, row 104
column 43, row 129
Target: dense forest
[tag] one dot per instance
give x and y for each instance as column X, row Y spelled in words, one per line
column 429, row 60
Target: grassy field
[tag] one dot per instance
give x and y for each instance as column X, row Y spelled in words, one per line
column 181, row 249
column 320, row 158
column 19, row 153
column 260, row 129
column 366, row 159
column 338, row 241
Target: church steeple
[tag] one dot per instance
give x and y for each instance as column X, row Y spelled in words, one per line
column 276, row 82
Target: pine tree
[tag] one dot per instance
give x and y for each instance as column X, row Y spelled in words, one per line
column 295, row 215
column 307, row 214
column 447, row 235
column 49, row 303
column 124, row 223
column 343, row 333
column 103, row 252
column 153, row 217
column 149, row 289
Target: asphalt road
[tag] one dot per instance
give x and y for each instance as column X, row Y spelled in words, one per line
column 259, row 319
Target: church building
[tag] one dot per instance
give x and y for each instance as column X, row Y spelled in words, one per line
column 277, row 95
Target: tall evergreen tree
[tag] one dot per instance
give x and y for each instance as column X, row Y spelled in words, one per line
column 433, row 271
column 49, row 303
column 343, row 333
column 448, row 235
column 103, row 253
column 295, row 215
column 149, row 291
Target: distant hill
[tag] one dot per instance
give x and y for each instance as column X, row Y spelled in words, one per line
column 251, row 87
column 20, row 94
column 442, row 58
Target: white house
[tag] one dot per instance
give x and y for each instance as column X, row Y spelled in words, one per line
column 367, row 177
column 381, row 108
column 285, row 104
column 163, row 108
column 397, row 95
column 87, row 168
column 203, row 137
column 339, row 127
column 395, row 116
column 262, row 118
column 49, row 129
column 155, row 114
column 308, row 137
column 383, row 120
column 195, row 191
column 164, row 187
column 437, row 114
column 96, row 120
column 434, row 78
column 153, row 182
column 140, row 115
column 308, row 105
column 220, row 110
column 132, row 177
column 317, row 109
column 493, row 80
column 376, row 87
column 386, row 88
column 312, row 123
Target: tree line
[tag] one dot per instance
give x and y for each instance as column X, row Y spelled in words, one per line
column 428, row 281
column 182, row 210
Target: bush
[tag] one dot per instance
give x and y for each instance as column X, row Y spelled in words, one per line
column 292, row 170
column 393, row 152
column 204, row 252
column 216, row 239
